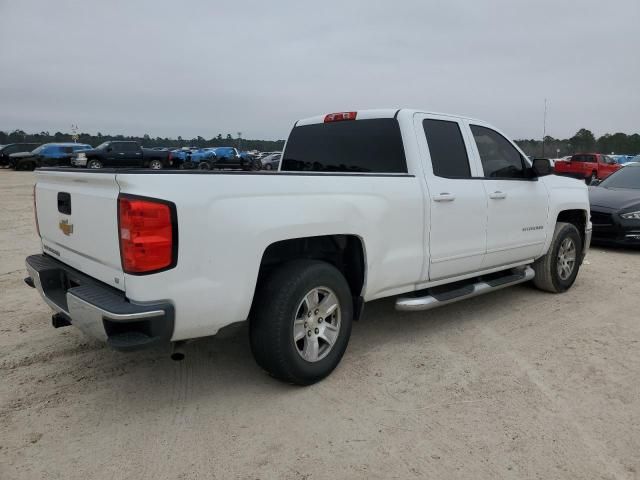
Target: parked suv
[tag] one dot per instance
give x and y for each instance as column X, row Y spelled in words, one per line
column 47, row 155
column 7, row 150
column 122, row 154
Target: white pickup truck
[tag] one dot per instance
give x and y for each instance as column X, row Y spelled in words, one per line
column 427, row 207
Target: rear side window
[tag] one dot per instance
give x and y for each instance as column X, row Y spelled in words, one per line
column 129, row 147
column 446, row 146
column 371, row 146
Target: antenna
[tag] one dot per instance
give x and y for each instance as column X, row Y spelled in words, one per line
column 544, row 126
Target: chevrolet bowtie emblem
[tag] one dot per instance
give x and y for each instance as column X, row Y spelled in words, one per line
column 66, row 227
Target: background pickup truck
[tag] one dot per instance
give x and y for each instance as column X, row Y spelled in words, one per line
column 425, row 207
column 589, row 166
column 122, row 154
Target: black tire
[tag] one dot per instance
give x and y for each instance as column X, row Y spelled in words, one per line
column 204, row 165
column 156, row 165
column 256, row 165
column 96, row 164
column 268, row 166
column 547, row 276
column 271, row 331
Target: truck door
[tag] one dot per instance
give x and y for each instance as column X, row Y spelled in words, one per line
column 458, row 205
column 518, row 205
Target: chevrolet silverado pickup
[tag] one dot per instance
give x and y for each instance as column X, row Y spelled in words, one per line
column 427, row 208
column 121, row 154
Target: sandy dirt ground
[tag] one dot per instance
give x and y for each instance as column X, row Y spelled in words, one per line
column 516, row 384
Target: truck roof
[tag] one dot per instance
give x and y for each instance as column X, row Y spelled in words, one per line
column 378, row 113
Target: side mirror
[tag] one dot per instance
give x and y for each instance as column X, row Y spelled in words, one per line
column 541, row 167
column 595, row 182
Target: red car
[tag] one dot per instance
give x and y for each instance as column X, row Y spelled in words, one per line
column 588, row 166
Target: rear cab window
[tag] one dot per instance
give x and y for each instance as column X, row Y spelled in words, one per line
column 354, row 146
column 584, row 158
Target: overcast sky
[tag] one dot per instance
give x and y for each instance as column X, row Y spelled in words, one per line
column 203, row 67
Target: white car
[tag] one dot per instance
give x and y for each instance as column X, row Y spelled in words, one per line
column 425, row 207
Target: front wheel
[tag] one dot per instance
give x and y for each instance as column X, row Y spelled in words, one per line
column 94, row 164
column 557, row 270
column 301, row 321
column 155, row 165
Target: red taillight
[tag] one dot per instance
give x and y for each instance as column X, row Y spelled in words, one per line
column 35, row 211
column 340, row 117
column 148, row 236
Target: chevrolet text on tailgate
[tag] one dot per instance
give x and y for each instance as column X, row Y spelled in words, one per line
column 426, row 207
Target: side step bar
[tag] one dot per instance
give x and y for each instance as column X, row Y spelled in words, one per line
column 433, row 300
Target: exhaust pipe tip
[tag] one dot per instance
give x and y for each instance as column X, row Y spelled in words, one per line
column 59, row 320
column 177, row 355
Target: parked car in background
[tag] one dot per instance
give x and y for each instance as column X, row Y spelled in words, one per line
column 615, row 207
column 47, row 155
column 271, row 162
column 590, row 166
column 11, row 148
column 228, row 158
column 123, row 256
column 122, row 154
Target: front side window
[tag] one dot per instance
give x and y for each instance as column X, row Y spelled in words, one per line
column 371, row 146
column 446, row 147
column 499, row 158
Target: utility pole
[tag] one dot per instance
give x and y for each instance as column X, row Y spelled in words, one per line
column 239, row 140
column 544, row 126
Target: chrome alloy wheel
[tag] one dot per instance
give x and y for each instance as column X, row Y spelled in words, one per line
column 316, row 325
column 566, row 258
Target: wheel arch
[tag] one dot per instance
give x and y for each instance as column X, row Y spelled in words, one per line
column 577, row 217
column 346, row 252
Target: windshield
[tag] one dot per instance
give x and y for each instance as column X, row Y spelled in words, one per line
column 40, row 149
column 102, row 146
column 626, row 177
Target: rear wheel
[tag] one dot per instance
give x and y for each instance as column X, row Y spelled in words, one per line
column 557, row 270
column 301, row 321
column 204, row 165
column 268, row 166
column 94, row 164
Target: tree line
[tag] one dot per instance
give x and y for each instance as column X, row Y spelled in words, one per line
column 17, row 136
column 583, row 141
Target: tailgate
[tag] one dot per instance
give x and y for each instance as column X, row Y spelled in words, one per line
column 78, row 219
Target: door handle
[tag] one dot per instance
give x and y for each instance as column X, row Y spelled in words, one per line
column 121, row 154
column 444, row 197
column 498, row 195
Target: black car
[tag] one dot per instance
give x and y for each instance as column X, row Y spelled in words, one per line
column 122, row 154
column 615, row 207
column 7, row 150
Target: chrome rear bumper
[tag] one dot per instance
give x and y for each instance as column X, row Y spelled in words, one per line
column 99, row 310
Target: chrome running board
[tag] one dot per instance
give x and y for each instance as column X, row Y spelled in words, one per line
column 437, row 298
